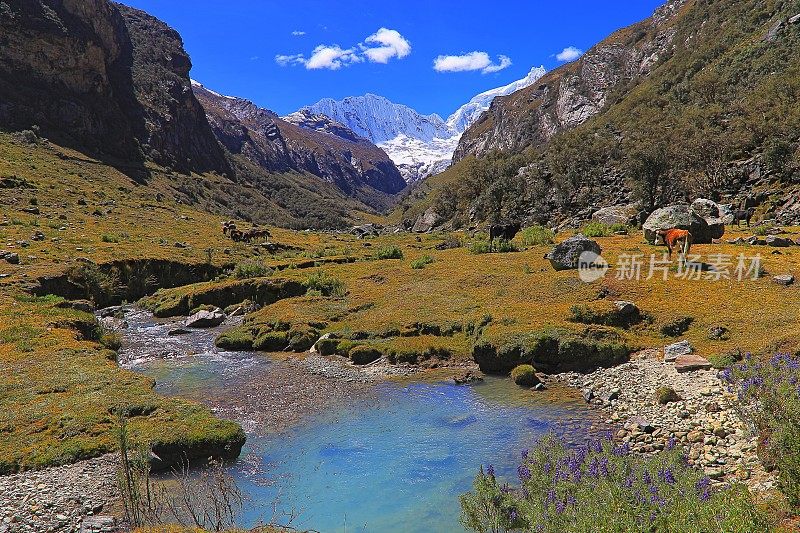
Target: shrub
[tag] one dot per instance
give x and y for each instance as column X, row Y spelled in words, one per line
column 107, row 237
column 389, row 252
column 363, row 354
column 322, row 283
column 675, row 326
column 101, row 287
column 665, row 395
column 725, row 360
column 502, row 246
column 603, row 487
column 420, row 263
column 604, row 313
column 597, row 229
column 251, row 269
column 769, row 396
column 524, row 375
column 619, row 228
column 480, row 247
column 536, row 236
column 762, row 229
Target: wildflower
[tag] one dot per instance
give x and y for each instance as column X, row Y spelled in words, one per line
column 628, row 483
column 671, row 443
column 524, row 454
column 594, row 468
column 667, row 476
column 703, row 487
column 604, row 466
column 490, row 471
column 646, row 479
column 551, row 496
column 571, row 500
column 513, row 515
column 524, row 473
column 560, row 506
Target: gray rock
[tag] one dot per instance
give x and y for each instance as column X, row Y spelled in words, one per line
column 566, row 255
column 682, row 216
column 778, row 242
column 717, row 333
column 10, row 257
column 364, row 231
column 690, row 363
column 427, row 221
column 706, row 208
column 178, row 331
column 587, row 394
column 726, row 213
column 784, row 279
column 626, row 308
column 616, row 214
column 673, row 351
column 206, row 319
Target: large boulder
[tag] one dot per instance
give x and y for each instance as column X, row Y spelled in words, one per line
column 206, row 319
column 566, row 255
column 726, row 213
column 616, row 214
column 427, row 221
column 682, row 216
column 706, row 208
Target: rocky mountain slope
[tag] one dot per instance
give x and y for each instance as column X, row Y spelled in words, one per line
column 420, row 145
column 303, row 142
column 570, row 95
column 691, row 102
column 104, row 77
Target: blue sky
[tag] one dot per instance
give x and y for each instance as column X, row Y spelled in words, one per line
column 265, row 50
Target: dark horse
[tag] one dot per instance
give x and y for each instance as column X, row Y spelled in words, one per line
column 504, row 231
column 746, row 215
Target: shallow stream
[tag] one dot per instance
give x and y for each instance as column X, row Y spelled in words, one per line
column 382, row 457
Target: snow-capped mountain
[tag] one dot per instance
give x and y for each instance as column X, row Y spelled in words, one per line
column 467, row 114
column 420, row 145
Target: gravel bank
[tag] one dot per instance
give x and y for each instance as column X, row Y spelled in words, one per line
column 62, row 499
column 703, row 420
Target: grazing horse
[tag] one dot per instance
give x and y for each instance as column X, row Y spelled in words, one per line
column 504, row 231
column 673, row 238
column 745, row 214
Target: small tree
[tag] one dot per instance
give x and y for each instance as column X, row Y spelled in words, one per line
column 651, row 177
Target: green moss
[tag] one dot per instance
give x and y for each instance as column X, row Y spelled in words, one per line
column 272, row 341
column 327, row 346
column 236, row 339
column 364, row 354
column 524, row 375
column 665, row 395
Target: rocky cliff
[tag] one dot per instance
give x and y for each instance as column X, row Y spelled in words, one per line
column 303, row 142
column 102, row 77
column 568, row 96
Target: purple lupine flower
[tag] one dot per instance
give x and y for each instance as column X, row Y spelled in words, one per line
column 571, row 500
column 596, row 445
column 513, row 515
column 671, row 443
column 628, row 483
column 560, row 506
column 551, row 496
column 667, row 476
column 490, row 471
column 646, row 479
column 524, row 473
column 546, row 468
column 604, row 466
column 524, row 454
column 594, row 468
column 703, row 487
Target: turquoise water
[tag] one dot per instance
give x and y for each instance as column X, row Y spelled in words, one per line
column 395, row 460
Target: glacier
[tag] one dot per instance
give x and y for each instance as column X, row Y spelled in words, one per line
column 420, row 145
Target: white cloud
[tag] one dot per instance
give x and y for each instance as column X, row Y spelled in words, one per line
column 469, row 62
column 334, row 57
column 393, row 45
column 298, row 33
column 286, row 60
column 569, row 53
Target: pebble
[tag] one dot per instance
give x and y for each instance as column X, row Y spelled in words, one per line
column 60, row 499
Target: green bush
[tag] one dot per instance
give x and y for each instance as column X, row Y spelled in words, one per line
column 597, row 229
column 389, row 252
column 727, row 359
column 480, row 247
column 605, row 488
column 321, row 283
column 524, row 375
column 762, row 229
column 619, row 228
column 363, row 354
column 665, row 395
column 420, row 263
column 251, row 269
column 107, row 237
column 675, row 326
column 536, row 236
column 602, row 312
